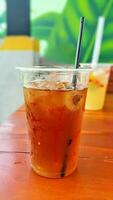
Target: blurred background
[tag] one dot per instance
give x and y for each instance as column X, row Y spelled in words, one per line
column 36, row 32
column 55, row 24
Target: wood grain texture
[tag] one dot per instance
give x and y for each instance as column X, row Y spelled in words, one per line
column 93, row 179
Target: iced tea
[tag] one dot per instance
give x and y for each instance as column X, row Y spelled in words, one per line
column 97, row 87
column 54, row 123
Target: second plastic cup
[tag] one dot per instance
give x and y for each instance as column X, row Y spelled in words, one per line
column 97, row 86
column 55, row 99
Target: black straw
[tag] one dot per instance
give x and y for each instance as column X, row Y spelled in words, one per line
column 77, row 61
column 77, row 58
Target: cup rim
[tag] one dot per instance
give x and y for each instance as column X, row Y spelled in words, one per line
column 95, row 65
column 56, row 68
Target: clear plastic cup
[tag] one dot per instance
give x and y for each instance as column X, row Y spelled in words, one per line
column 54, row 99
column 97, row 86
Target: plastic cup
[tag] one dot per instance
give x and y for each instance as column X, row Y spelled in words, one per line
column 54, row 109
column 97, row 86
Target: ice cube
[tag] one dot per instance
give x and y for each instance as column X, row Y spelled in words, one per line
column 53, row 76
column 50, row 85
column 76, row 99
column 73, row 100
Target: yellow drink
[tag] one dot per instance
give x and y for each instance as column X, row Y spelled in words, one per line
column 97, row 88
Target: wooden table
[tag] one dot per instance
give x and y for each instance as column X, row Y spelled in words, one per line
column 93, row 179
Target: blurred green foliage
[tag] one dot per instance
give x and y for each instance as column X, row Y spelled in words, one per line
column 43, row 25
column 2, row 18
column 61, row 30
column 2, row 25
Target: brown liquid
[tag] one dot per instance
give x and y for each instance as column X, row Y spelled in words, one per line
column 54, row 121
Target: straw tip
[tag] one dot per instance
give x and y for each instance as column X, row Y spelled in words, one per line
column 82, row 18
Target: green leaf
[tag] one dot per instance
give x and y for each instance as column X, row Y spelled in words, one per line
column 106, row 12
column 2, row 33
column 2, row 17
column 61, row 31
column 43, row 25
column 2, row 20
column 63, row 39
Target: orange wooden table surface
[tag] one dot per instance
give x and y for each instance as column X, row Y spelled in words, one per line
column 93, row 180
